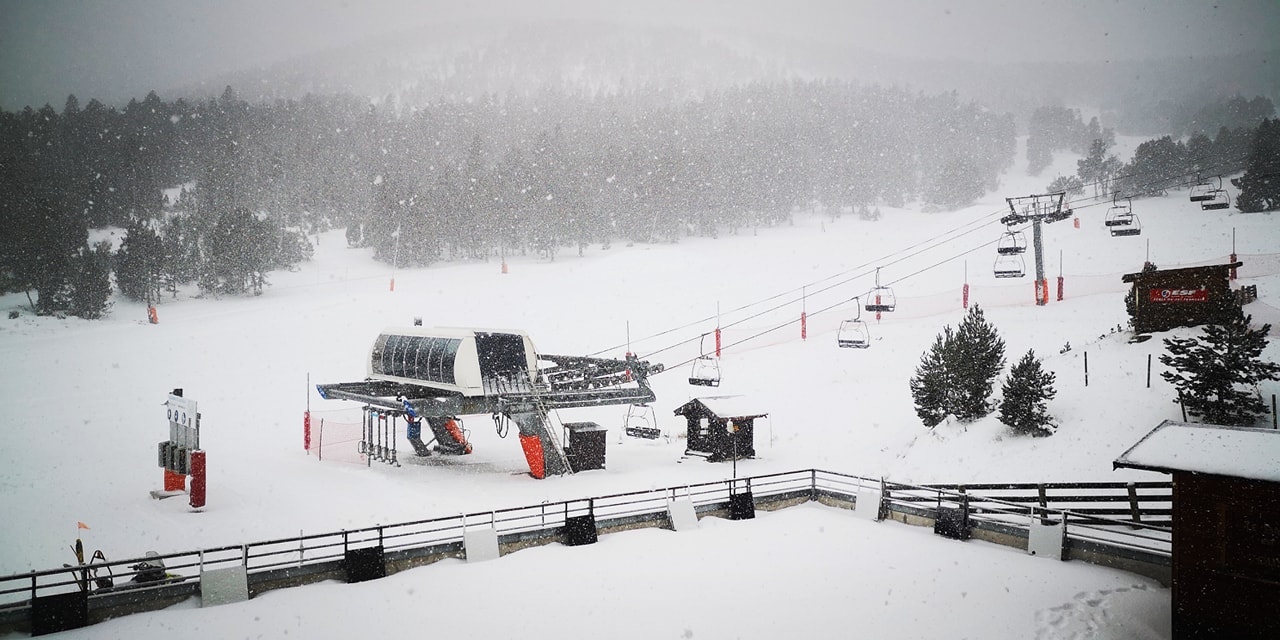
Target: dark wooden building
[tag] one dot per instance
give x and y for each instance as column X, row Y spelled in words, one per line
column 1163, row 299
column 720, row 427
column 1226, row 526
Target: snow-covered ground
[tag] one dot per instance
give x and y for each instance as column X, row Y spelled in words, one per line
column 81, row 414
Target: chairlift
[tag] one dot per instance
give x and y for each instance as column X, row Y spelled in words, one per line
column 1120, row 209
column 880, row 298
column 641, row 422
column 706, row 368
column 1012, row 243
column 1218, row 199
column 1131, row 227
column 1203, row 190
column 1119, row 217
column 853, row 332
column 1010, row 266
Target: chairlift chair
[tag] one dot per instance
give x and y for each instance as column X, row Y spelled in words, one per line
column 1012, row 243
column 706, row 368
column 1219, row 199
column 1010, row 266
column 1132, row 227
column 641, row 422
column 1119, row 217
column 1118, row 208
column 880, row 298
column 853, row 332
column 1203, row 190
column 706, row 372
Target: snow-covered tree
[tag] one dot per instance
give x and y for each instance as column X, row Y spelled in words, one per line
column 90, row 292
column 140, row 263
column 976, row 359
column 1260, row 184
column 956, row 375
column 1217, row 373
column 931, row 385
column 1027, row 392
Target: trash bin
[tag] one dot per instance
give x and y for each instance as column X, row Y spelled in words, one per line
column 585, row 450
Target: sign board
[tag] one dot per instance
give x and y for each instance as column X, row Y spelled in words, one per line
column 184, row 422
column 1179, row 295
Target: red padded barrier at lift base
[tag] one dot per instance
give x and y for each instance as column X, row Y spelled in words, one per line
column 532, row 446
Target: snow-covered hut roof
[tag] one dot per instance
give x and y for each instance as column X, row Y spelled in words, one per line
column 1238, row 452
column 728, row 407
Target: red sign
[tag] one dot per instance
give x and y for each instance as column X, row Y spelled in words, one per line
column 1180, row 295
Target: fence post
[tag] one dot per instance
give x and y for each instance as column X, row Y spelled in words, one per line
column 1133, row 503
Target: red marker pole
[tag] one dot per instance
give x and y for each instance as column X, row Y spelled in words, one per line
column 804, row 317
column 197, row 479
column 965, row 295
column 717, row 342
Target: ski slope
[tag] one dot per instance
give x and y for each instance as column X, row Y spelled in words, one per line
column 82, row 404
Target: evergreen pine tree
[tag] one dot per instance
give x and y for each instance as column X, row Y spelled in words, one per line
column 1217, row 373
column 931, row 385
column 180, row 262
column 140, row 263
column 1026, row 392
column 1260, row 184
column 90, row 293
column 974, row 362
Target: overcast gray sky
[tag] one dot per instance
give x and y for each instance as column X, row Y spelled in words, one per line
column 117, row 49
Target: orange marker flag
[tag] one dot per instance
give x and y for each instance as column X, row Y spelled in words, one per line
column 81, row 525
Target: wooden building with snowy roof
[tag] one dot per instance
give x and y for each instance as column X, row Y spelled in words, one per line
column 1226, row 525
column 1163, row 299
column 721, row 427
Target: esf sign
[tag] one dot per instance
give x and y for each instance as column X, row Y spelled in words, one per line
column 1180, row 295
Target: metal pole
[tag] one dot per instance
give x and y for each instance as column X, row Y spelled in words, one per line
column 1042, row 299
column 1148, row 371
column 1086, row 368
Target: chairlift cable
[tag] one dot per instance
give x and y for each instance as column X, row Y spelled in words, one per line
column 914, row 250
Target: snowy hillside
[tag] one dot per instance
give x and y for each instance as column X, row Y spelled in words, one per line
column 82, row 409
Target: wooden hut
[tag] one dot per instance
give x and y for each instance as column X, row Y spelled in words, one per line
column 1226, row 525
column 720, row 427
column 1163, row 299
